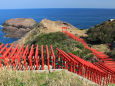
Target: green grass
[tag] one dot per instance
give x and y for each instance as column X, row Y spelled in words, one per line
column 29, row 78
column 111, row 84
column 61, row 41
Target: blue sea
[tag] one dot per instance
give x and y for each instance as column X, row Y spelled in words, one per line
column 79, row 17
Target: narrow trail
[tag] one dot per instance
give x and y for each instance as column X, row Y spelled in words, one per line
column 36, row 58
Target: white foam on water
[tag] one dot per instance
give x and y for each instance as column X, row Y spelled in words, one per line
column 1, row 26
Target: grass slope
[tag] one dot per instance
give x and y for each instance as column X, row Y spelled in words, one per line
column 32, row 78
column 61, row 41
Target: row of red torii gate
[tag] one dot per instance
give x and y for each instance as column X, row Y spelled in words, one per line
column 38, row 58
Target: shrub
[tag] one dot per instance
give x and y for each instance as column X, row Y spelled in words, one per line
column 79, row 45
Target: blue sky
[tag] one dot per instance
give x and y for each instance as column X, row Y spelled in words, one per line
column 14, row 4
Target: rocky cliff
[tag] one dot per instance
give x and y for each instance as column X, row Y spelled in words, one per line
column 17, row 28
column 48, row 26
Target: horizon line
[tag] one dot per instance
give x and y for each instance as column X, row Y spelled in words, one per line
column 52, row 8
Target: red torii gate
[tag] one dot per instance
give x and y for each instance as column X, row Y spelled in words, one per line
column 29, row 58
column 20, row 58
column 109, row 62
column 83, row 68
column 64, row 29
column 101, row 72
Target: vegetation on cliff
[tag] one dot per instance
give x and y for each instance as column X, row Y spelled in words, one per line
column 61, row 41
column 102, row 33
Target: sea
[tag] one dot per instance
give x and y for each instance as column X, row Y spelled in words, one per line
column 82, row 18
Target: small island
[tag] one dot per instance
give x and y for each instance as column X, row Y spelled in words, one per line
column 17, row 28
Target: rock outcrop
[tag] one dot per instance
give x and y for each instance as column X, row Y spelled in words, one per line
column 17, row 28
column 48, row 26
column 55, row 26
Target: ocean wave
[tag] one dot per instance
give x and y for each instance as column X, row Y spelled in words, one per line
column 1, row 26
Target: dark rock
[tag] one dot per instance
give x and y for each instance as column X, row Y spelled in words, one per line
column 17, row 28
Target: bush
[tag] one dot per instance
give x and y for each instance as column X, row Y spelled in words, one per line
column 81, row 46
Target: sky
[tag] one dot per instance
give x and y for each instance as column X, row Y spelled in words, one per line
column 19, row 4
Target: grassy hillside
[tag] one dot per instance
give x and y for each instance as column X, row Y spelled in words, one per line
column 102, row 33
column 32, row 78
column 61, row 41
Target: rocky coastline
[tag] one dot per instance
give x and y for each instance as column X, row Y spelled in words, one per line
column 17, row 28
